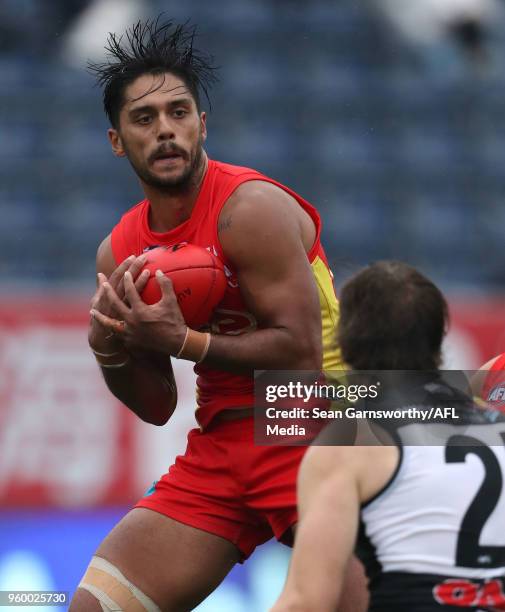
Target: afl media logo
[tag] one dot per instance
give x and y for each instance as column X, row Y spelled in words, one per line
column 497, row 393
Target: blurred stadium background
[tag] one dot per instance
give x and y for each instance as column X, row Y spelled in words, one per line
column 389, row 116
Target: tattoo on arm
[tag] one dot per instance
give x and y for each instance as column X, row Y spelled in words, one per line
column 224, row 225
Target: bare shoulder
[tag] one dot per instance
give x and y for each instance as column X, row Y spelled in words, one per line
column 257, row 200
column 367, row 467
column 478, row 379
column 261, row 211
column 262, row 191
column 320, row 462
column 322, row 459
column 256, row 219
column 105, row 261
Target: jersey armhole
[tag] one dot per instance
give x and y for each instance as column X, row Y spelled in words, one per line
column 390, row 480
column 315, row 249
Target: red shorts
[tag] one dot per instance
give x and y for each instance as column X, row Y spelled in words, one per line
column 226, row 485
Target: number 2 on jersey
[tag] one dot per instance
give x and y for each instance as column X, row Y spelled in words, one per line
column 468, row 551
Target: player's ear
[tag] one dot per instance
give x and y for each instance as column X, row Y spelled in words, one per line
column 203, row 125
column 116, row 143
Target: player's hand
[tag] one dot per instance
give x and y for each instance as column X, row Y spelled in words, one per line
column 159, row 327
column 101, row 338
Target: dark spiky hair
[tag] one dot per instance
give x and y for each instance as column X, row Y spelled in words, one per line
column 152, row 47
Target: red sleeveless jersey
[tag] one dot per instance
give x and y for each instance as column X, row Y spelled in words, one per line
column 217, row 390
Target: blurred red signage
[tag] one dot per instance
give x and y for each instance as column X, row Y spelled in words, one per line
column 66, row 442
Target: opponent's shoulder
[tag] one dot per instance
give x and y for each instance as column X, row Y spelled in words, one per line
column 323, row 459
column 350, row 464
column 324, row 466
column 321, row 462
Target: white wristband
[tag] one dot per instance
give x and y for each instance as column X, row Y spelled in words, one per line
column 114, row 366
column 104, row 354
column 195, row 346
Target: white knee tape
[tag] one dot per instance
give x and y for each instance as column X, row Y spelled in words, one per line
column 114, row 592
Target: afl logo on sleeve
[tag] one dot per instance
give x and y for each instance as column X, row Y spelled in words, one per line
column 497, row 393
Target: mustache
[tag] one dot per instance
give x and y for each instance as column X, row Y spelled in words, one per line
column 167, row 149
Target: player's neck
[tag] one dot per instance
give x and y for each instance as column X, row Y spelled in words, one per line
column 168, row 208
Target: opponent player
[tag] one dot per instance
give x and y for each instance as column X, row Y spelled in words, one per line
column 428, row 519
column 224, row 496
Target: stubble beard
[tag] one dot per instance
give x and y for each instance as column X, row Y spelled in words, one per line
column 190, row 176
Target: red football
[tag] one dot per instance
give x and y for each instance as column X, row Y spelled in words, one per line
column 198, row 277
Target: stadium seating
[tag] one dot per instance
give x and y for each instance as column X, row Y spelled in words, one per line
column 399, row 163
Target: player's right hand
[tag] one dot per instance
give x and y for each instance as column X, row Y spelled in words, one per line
column 99, row 337
column 158, row 327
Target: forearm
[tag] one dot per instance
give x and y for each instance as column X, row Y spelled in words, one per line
column 265, row 349
column 323, row 545
column 310, row 585
column 144, row 388
column 290, row 603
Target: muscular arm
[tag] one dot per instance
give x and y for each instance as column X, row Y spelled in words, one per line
column 266, row 236
column 333, row 482
column 262, row 232
column 146, row 382
column 328, row 501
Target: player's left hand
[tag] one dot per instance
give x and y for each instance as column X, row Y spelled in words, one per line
column 159, row 327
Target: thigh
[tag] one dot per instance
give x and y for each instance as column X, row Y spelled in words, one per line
column 174, row 564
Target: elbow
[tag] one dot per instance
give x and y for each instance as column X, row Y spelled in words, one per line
column 158, row 410
column 163, row 416
column 307, row 347
column 309, row 354
column 156, row 415
column 159, row 421
column 312, row 360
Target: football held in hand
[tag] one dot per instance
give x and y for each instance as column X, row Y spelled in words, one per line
column 197, row 275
